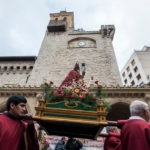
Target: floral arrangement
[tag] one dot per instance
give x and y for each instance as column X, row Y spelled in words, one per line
column 52, row 95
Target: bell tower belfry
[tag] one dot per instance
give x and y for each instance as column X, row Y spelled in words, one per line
column 63, row 46
column 62, row 21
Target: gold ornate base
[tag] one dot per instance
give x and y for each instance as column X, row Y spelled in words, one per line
column 71, row 122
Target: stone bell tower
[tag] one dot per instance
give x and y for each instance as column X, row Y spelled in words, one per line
column 61, row 22
column 63, row 46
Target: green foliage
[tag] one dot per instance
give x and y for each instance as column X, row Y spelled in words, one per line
column 108, row 107
column 53, row 95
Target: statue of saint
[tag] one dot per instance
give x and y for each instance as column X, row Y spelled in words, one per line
column 74, row 80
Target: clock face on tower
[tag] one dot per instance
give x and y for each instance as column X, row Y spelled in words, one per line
column 81, row 43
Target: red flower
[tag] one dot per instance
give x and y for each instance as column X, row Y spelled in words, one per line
column 58, row 91
column 78, row 93
column 86, row 93
column 68, row 96
column 99, row 86
column 82, row 97
column 46, row 84
column 51, row 82
column 70, row 93
column 96, row 82
column 52, row 92
column 59, row 95
column 94, row 98
column 73, row 96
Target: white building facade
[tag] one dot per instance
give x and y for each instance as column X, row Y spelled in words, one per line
column 136, row 72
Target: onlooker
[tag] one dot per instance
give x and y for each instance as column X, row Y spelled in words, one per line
column 73, row 144
column 15, row 134
column 50, row 148
column 135, row 133
column 113, row 141
column 61, row 144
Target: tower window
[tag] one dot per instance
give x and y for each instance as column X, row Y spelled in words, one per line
column 56, row 19
column 83, row 69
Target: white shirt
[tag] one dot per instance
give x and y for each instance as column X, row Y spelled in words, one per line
column 136, row 117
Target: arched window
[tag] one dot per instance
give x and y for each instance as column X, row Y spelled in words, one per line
column 24, row 67
column 18, row 67
column 31, row 67
column 11, row 68
column 5, row 68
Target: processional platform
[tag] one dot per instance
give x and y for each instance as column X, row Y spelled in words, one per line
column 73, row 121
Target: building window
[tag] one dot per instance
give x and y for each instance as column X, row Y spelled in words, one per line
column 18, row 67
column 11, row 68
column 5, row 68
column 128, row 68
column 31, row 67
column 130, row 75
column 125, row 81
column 148, row 77
column 24, row 67
column 141, row 84
column 133, row 62
column 136, row 69
column 138, row 76
column 123, row 74
column 133, row 83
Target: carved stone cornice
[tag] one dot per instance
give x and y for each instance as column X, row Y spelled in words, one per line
column 25, row 91
column 125, row 92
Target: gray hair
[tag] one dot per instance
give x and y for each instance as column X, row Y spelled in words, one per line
column 138, row 107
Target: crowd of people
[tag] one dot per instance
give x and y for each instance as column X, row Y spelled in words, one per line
column 70, row 144
column 17, row 130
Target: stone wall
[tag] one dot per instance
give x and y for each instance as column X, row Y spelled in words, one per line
column 14, row 72
column 61, row 50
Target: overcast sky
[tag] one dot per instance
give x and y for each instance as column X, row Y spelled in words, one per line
column 23, row 23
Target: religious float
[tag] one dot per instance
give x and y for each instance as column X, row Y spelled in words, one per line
column 72, row 110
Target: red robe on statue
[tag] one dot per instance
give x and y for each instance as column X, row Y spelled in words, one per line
column 112, row 142
column 72, row 76
column 135, row 135
column 12, row 134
